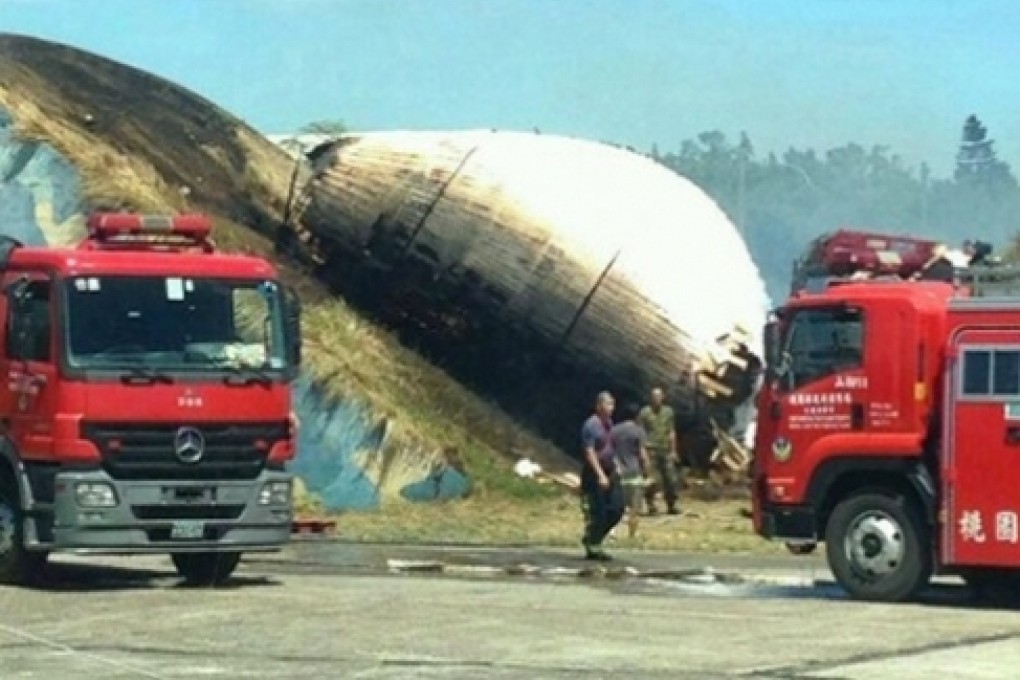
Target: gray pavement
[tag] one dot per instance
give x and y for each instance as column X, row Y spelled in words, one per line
column 319, row 611
column 373, row 558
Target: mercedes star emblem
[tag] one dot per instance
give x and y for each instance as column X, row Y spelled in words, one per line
column 189, row 445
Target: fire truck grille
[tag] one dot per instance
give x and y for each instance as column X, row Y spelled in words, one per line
column 230, row 451
column 208, row 512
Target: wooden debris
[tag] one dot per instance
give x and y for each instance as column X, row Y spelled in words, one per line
column 313, row 526
column 731, row 459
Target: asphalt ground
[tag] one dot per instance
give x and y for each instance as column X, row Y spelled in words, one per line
column 325, row 609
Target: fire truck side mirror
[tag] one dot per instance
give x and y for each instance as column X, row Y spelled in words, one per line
column 17, row 290
column 771, row 340
column 292, row 316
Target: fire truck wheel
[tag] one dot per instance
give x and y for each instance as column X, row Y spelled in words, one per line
column 877, row 547
column 206, row 569
column 18, row 566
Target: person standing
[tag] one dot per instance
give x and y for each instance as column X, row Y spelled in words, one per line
column 659, row 425
column 601, row 491
column 628, row 440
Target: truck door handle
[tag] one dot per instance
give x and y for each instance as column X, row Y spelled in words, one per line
column 1013, row 435
column 776, row 410
column 857, row 416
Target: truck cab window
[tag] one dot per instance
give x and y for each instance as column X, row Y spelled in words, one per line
column 821, row 342
column 991, row 373
column 1006, row 373
column 174, row 323
column 977, row 371
column 29, row 328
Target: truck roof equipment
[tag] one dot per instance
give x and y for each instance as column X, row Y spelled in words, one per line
column 845, row 252
column 131, row 231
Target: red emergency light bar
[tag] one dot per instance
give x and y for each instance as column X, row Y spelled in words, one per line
column 154, row 231
column 192, row 225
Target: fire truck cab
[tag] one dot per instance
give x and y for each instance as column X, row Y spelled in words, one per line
column 889, row 429
column 145, row 401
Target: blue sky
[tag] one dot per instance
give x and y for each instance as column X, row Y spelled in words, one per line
column 904, row 73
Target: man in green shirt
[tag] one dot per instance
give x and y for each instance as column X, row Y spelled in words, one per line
column 659, row 423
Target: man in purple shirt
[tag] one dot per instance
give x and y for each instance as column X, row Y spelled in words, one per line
column 601, row 490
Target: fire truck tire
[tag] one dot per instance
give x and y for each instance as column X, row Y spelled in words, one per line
column 877, row 547
column 206, row 569
column 18, row 566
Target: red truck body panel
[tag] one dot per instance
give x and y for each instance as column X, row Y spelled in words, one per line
column 875, row 408
column 980, row 473
column 180, row 426
column 889, row 425
column 71, row 261
column 71, row 400
column 51, row 430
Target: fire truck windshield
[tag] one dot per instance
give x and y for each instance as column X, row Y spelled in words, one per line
column 174, row 323
column 818, row 343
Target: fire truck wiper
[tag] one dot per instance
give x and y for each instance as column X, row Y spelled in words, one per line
column 242, row 377
column 141, row 375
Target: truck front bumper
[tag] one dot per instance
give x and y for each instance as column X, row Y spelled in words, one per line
column 788, row 522
column 160, row 516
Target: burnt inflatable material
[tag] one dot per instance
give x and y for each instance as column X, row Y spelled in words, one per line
column 540, row 270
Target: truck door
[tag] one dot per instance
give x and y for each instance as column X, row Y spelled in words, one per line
column 816, row 394
column 981, row 458
column 29, row 363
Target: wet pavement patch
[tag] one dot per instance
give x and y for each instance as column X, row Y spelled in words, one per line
column 719, row 582
column 712, row 575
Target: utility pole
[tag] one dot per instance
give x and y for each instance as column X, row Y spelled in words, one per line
column 925, row 176
column 744, row 152
column 742, row 197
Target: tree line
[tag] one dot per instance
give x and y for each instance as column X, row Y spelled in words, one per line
column 781, row 202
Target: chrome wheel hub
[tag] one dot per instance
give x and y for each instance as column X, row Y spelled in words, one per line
column 874, row 545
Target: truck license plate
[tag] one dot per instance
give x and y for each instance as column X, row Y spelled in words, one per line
column 187, row 529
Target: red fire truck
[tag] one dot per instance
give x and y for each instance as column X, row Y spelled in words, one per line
column 889, row 429
column 146, row 406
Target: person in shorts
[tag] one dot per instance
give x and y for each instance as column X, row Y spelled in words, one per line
column 629, row 446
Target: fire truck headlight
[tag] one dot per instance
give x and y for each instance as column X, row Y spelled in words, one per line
column 275, row 493
column 95, row 495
